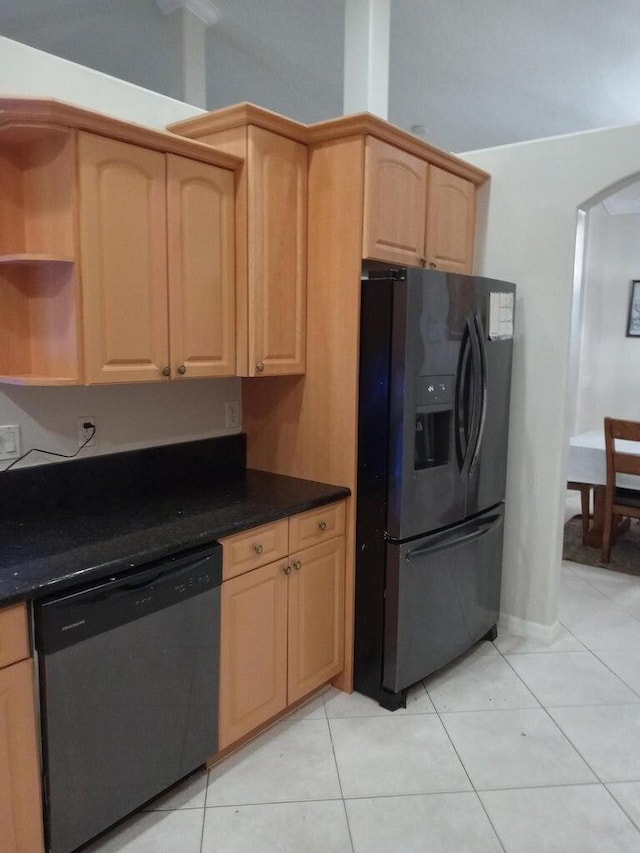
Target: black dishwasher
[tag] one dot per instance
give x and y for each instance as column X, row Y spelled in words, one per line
column 129, row 690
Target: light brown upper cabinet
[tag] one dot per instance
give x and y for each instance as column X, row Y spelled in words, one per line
column 123, row 259
column 416, row 214
column 395, row 197
column 117, row 251
column 451, row 218
column 157, row 264
column 277, row 253
column 201, row 252
column 39, row 296
column 271, row 221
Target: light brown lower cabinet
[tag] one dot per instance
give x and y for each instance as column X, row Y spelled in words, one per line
column 282, row 631
column 20, row 802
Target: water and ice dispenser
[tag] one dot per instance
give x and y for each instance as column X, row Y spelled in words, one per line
column 434, row 421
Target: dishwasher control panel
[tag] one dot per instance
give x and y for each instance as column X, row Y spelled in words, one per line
column 75, row 616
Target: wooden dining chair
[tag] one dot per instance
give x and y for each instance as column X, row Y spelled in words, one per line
column 619, row 501
column 585, row 503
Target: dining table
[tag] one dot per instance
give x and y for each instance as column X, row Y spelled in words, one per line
column 587, row 465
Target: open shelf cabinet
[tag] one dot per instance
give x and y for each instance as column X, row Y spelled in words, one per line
column 39, row 292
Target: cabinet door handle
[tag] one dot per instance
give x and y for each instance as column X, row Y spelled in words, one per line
column 258, row 549
column 166, row 371
column 260, row 366
column 182, row 370
column 322, row 526
column 297, row 564
column 287, row 570
column 432, row 265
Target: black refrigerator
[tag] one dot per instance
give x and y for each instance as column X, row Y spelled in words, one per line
column 435, row 374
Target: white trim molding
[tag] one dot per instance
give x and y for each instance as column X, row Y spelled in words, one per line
column 205, row 10
column 528, row 630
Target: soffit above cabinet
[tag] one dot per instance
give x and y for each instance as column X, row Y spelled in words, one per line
column 20, row 114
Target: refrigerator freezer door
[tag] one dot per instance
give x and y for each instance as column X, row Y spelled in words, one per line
column 442, row 595
column 488, row 469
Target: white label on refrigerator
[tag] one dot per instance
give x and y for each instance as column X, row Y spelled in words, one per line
column 500, row 316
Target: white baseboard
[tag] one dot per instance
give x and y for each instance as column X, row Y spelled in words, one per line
column 528, row 630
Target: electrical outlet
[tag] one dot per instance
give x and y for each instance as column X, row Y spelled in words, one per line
column 85, row 433
column 9, row 441
column 232, row 415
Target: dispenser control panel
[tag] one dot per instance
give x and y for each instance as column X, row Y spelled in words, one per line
column 436, row 390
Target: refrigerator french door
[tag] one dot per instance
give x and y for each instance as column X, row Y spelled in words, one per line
column 435, row 371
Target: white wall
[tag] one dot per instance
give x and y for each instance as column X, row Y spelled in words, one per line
column 608, row 378
column 127, row 416
column 528, row 216
column 25, row 71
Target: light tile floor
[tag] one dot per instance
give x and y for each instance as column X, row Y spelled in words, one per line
column 514, row 747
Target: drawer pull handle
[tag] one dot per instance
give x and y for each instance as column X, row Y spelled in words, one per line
column 297, row 564
column 322, row 525
column 258, row 549
column 287, row 570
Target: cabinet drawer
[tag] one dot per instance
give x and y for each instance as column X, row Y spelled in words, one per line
column 253, row 548
column 309, row 528
column 14, row 634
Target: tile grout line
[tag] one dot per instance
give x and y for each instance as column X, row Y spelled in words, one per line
column 577, row 704
column 335, row 761
column 563, row 733
column 204, row 810
column 604, row 663
column 473, row 787
column 619, row 804
column 606, row 595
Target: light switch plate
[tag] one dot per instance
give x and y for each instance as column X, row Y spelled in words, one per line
column 9, row 441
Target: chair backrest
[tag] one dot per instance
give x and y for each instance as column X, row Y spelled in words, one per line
column 619, row 461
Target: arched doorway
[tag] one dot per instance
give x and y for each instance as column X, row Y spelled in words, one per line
column 602, row 379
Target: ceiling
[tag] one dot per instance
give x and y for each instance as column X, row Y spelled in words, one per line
column 474, row 74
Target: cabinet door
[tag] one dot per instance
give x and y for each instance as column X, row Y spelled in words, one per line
column 395, row 199
column 14, row 634
column 253, row 650
column 316, row 616
column 20, row 798
column 200, row 227
column 451, row 216
column 277, row 246
column 123, row 260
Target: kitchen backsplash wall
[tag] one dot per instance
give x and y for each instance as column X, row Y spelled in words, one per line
column 127, row 416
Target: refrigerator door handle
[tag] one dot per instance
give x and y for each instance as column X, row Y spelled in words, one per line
column 479, row 385
column 463, row 408
column 471, row 394
column 453, row 539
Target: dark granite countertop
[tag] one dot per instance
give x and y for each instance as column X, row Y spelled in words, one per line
column 75, row 525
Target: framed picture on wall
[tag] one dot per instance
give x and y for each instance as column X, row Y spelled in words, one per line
column 633, row 321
